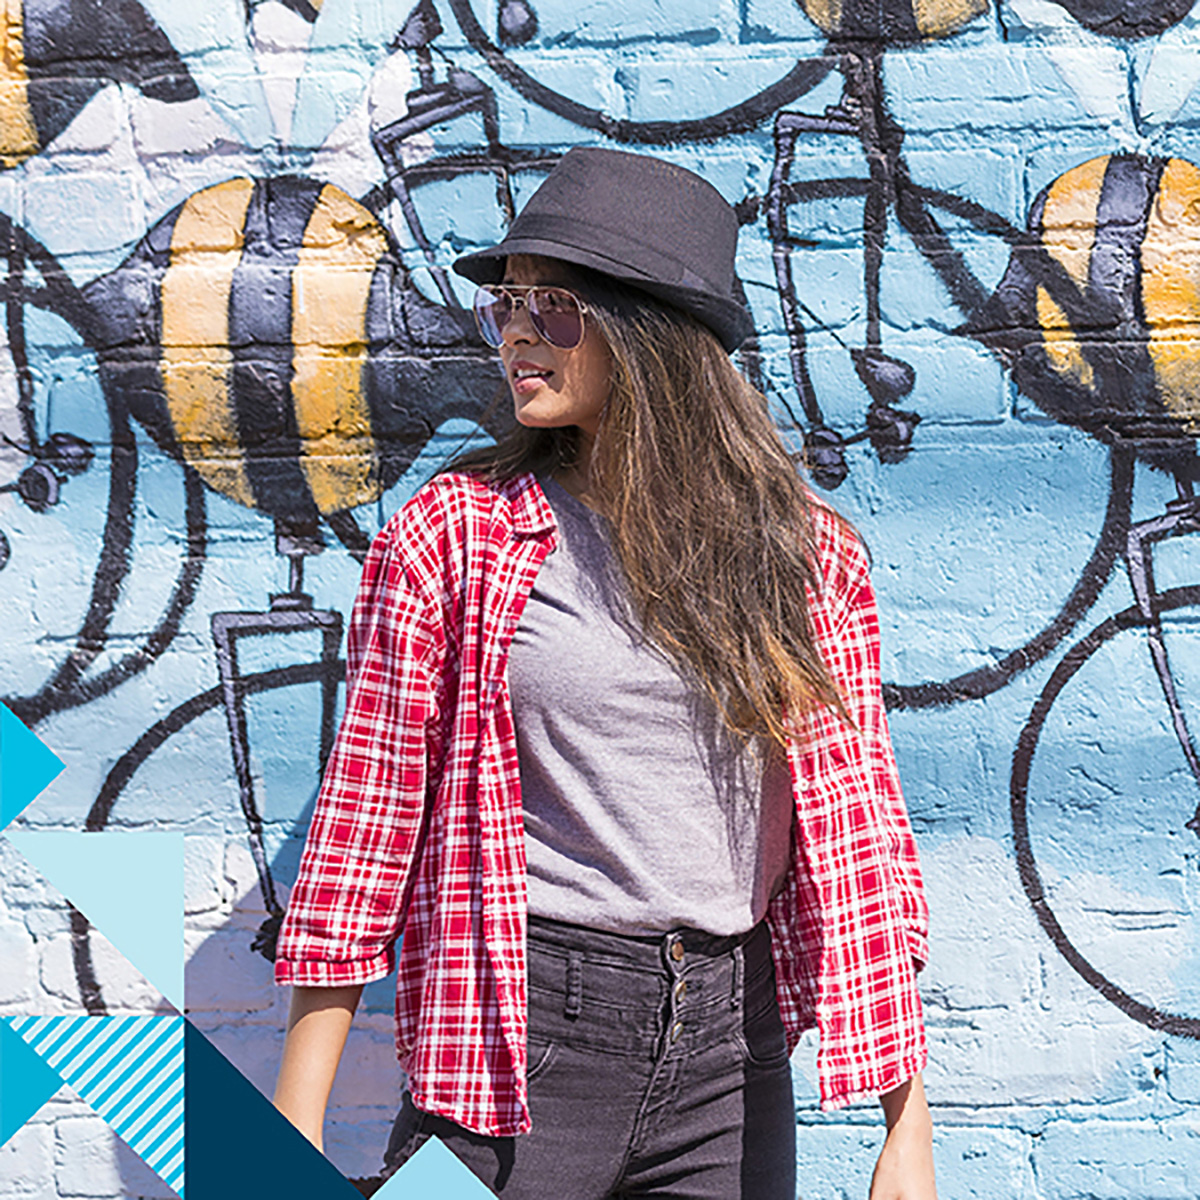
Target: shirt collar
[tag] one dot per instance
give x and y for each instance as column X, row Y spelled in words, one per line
column 531, row 513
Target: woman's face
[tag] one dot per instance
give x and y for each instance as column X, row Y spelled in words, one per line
column 552, row 387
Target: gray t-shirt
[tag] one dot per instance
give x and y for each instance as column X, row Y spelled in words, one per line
column 641, row 812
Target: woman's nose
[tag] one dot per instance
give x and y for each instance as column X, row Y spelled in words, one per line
column 519, row 327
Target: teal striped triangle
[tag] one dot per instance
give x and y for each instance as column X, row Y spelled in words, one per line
column 27, row 766
column 434, row 1171
column 26, row 1082
column 130, row 1070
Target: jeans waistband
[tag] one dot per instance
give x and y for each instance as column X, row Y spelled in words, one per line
column 636, row 989
column 646, row 951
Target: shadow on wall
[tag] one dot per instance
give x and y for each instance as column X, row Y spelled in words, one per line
column 232, row 999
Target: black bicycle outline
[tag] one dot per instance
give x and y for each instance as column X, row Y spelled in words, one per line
column 1119, row 539
column 863, row 113
column 1136, row 616
column 67, row 686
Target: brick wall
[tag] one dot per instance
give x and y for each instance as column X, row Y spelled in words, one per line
column 1039, row 738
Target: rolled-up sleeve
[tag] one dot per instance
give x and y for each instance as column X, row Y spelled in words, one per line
column 348, row 903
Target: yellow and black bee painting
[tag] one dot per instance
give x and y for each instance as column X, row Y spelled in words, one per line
column 1099, row 311
column 895, row 21
column 266, row 335
column 58, row 54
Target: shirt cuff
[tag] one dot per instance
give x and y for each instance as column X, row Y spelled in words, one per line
column 325, row 973
column 842, row 1095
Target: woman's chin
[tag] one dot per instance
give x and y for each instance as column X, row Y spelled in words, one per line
column 529, row 415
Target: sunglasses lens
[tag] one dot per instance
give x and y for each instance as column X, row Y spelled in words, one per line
column 554, row 312
column 492, row 313
column 557, row 317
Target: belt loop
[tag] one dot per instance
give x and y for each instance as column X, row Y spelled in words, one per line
column 735, row 1001
column 574, row 1002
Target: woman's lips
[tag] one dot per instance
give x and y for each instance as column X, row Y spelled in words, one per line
column 528, row 377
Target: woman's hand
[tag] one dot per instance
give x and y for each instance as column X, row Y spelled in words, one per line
column 317, row 1026
column 905, row 1167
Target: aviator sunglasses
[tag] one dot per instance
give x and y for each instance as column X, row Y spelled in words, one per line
column 554, row 312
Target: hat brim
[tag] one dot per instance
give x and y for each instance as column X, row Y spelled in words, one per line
column 726, row 318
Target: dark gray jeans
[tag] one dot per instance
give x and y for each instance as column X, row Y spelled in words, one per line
column 657, row 1067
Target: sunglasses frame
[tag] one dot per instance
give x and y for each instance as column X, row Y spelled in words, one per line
column 521, row 293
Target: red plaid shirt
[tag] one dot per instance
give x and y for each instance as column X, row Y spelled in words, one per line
column 418, row 828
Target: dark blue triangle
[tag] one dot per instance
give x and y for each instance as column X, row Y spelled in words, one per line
column 238, row 1145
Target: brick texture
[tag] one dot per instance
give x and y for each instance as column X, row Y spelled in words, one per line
column 1038, row 748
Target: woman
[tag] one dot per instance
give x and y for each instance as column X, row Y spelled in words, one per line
column 578, row 663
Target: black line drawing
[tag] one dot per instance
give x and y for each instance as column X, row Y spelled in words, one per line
column 1100, row 335
column 125, row 768
column 747, row 114
column 1132, row 618
column 60, row 53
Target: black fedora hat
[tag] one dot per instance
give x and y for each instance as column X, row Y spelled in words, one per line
column 639, row 219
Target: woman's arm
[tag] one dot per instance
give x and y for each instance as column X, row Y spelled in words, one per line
column 317, row 1026
column 905, row 1167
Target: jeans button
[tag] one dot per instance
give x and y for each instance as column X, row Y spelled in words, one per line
column 681, row 989
column 676, row 1030
column 677, row 950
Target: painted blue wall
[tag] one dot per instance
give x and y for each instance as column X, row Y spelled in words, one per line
column 1065, row 1034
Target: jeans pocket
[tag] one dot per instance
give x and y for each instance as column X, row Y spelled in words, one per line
column 540, row 1055
column 407, row 1137
column 762, row 1038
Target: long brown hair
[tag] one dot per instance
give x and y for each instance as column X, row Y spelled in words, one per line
column 709, row 518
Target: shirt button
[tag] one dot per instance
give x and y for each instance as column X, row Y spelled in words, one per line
column 681, row 989
column 676, row 1030
column 677, row 951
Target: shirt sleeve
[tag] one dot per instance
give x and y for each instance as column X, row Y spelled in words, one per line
column 860, row 682
column 347, row 906
column 859, row 849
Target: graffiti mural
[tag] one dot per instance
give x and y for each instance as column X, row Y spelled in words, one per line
column 894, row 21
column 1127, row 18
column 1097, row 314
column 282, row 353
column 60, row 53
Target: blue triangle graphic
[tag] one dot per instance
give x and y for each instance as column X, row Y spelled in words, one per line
column 239, row 1146
column 27, row 766
column 128, row 884
column 434, row 1171
column 26, row 1082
